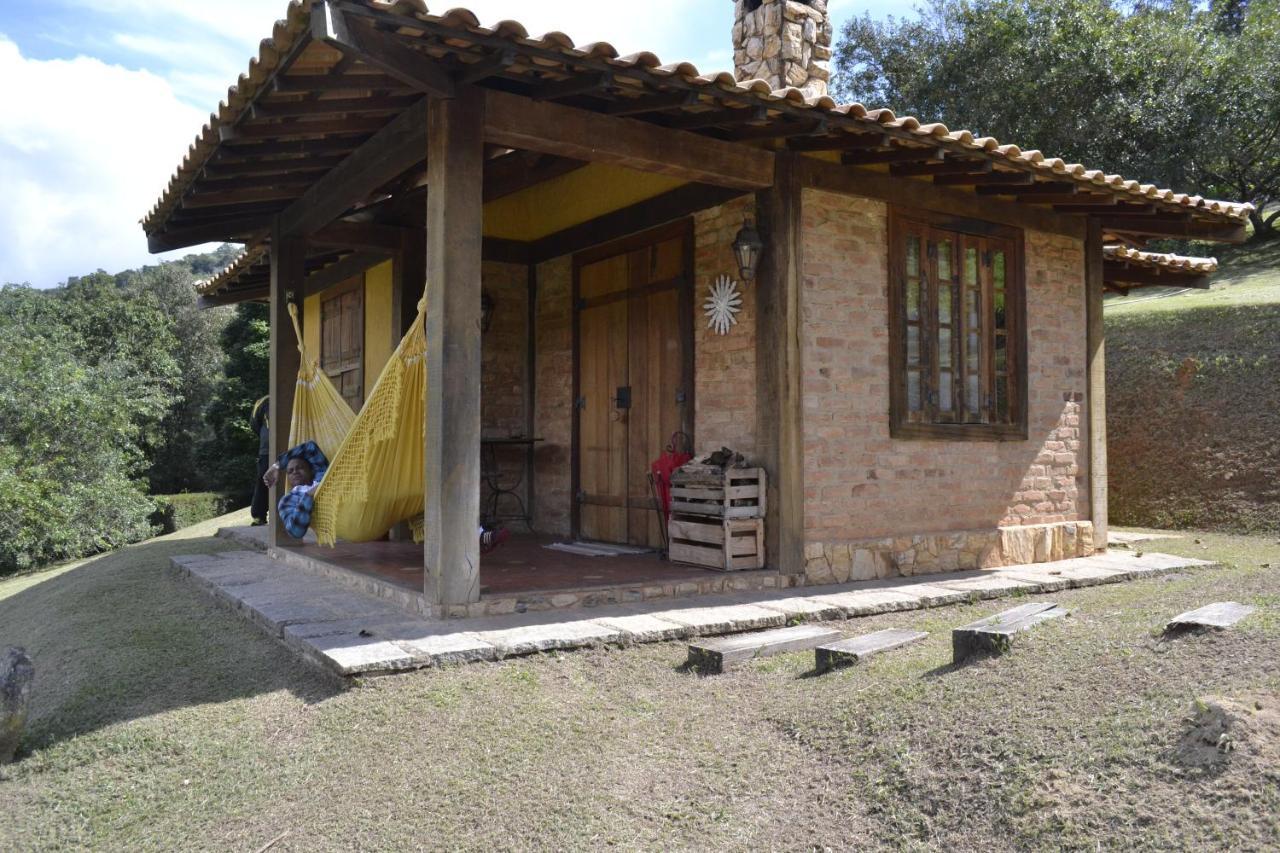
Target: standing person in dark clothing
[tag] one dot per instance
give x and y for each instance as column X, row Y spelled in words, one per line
column 259, row 422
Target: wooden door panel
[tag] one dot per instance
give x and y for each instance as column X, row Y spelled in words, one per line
column 602, row 432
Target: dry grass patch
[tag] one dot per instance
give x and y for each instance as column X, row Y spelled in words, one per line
column 165, row 722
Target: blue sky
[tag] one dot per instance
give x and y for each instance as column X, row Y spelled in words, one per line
column 104, row 96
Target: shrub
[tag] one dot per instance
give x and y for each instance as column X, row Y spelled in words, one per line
column 174, row 512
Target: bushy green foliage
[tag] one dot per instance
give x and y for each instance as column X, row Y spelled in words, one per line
column 70, row 420
column 232, row 452
column 1172, row 92
column 174, row 512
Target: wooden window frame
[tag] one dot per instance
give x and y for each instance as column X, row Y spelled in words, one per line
column 355, row 283
column 903, row 220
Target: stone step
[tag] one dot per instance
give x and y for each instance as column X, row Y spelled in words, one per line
column 855, row 649
column 712, row 656
column 1220, row 614
column 994, row 634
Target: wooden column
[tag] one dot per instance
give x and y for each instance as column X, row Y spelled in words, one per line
column 288, row 270
column 779, row 403
column 455, row 176
column 1097, row 392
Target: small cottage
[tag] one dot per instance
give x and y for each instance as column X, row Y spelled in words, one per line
column 904, row 329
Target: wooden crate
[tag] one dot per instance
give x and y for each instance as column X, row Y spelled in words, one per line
column 729, row 545
column 718, row 492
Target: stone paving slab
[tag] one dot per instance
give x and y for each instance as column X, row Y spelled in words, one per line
column 350, row 633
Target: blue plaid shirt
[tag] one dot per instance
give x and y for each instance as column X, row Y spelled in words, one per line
column 297, row 504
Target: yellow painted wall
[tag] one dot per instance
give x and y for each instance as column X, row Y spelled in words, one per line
column 571, row 199
column 380, row 337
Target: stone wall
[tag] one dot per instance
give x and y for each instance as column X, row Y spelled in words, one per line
column 863, row 486
column 783, row 42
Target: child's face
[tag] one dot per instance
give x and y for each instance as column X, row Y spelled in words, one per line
column 299, row 473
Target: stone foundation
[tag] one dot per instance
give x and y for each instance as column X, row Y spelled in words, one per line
column 930, row 553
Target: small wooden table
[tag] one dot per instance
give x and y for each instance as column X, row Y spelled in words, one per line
column 491, row 473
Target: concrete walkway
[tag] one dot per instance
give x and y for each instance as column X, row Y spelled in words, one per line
column 350, row 633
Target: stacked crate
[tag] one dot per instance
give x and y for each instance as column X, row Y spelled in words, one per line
column 717, row 517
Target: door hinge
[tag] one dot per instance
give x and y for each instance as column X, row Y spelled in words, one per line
column 581, row 496
column 580, row 403
column 681, row 397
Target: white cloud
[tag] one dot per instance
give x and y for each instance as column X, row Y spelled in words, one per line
column 85, row 148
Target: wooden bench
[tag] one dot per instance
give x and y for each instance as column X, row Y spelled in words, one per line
column 855, row 649
column 712, row 656
column 994, row 634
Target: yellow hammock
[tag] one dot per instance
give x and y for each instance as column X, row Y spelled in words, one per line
column 376, row 476
column 319, row 412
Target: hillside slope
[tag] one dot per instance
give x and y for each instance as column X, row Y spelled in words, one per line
column 1193, row 400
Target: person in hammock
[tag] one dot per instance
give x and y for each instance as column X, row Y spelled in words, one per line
column 304, row 467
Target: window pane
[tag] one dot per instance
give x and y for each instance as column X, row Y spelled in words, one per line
column 972, row 357
column 998, row 270
column 1002, row 353
column 944, row 302
column 970, row 267
column 944, row 261
column 944, row 391
column 971, row 308
column 971, row 395
column 913, row 256
column 944, row 347
column 999, row 307
column 913, row 390
column 913, row 299
column 913, row 345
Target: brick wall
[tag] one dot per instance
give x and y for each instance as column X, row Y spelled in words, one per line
column 504, row 370
column 553, row 398
column 860, row 483
column 725, row 365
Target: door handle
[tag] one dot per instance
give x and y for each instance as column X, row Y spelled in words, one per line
column 623, row 398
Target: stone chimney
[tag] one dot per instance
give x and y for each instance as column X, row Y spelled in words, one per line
column 784, row 42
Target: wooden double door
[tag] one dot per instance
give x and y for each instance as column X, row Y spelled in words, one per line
column 633, row 386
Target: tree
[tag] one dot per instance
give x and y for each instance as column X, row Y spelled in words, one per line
column 1165, row 92
column 69, row 426
column 230, row 455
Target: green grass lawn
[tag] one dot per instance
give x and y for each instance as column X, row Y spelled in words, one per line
column 162, row 722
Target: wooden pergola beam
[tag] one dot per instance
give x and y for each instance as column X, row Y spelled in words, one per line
column 516, row 122
column 394, row 149
column 358, row 38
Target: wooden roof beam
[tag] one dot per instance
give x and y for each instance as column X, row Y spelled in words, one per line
column 396, row 148
column 481, row 69
column 293, row 129
column 719, row 118
column 285, row 84
column 661, row 102
column 521, row 123
column 266, row 168
column 338, row 272
column 583, row 84
column 896, row 155
column 330, row 107
column 841, row 142
column 1047, row 188
column 243, row 230
column 789, row 130
column 991, row 178
column 332, row 26
column 963, row 167
column 1183, row 227
column 1120, row 272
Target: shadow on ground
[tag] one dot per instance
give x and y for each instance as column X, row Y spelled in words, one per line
column 121, row 637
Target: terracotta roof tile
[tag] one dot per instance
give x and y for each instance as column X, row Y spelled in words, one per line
column 1160, row 260
column 289, row 32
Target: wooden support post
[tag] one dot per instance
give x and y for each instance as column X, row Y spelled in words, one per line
column 1096, row 396
column 455, row 157
column 288, row 269
column 779, row 412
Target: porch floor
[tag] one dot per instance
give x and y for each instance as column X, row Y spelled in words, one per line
column 522, row 565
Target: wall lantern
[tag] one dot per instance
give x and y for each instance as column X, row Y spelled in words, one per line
column 747, row 247
column 486, row 311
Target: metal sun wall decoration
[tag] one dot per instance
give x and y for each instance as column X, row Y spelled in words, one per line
column 722, row 305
